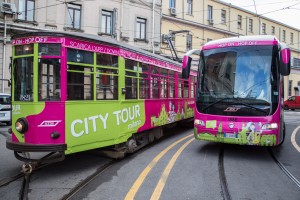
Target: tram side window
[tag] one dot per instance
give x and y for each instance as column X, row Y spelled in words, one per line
column 171, row 84
column 49, row 80
column 49, row 49
column 144, row 81
column 131, row 72
column 186, row 89
column 80, row 56
column 193, row 86
column 80, row 83
column 154, row 82
column 23, row 79
column 24, row 49
column 163, row 83
column 107, row 60
column 107, row 77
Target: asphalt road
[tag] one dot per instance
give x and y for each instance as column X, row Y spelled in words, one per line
column 177, row 167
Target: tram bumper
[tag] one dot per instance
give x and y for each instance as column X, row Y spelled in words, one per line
column 25, row 147
column 55, row 151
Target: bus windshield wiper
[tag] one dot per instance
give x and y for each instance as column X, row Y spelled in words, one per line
column 250, row 106
column 218, row 101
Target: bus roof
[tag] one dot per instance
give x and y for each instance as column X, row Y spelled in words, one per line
column 242, row 41
column 100, row 39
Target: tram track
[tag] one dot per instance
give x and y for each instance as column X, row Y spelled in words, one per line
column 89, row 179
column 283, row 168
column 26, row 172
column 222, row 176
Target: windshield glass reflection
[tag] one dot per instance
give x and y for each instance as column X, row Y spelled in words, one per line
column 238, row 75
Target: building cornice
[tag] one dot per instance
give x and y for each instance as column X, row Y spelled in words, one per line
column 199, row 25
column 229, row 5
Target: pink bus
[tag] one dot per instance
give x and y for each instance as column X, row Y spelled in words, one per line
column 239, row 94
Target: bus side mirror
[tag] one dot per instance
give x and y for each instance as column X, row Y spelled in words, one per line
column 285, row 61
column 186, row 66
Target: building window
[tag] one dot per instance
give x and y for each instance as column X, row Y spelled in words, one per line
column 263, row 28
column 190, row 7
column 172, row 3
column 283, row 35
column 107, row 19
column 290, row 88
column 26, row 8
column 273, row 30
column 223, row 16
column 74, row 16
column 292, row 38
column 239, row 22
column 210, row 13
column 250, row 25
column 141, row 28
column 296, row 62
column 188, row 42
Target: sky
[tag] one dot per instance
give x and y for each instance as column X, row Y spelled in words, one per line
column 284, row 11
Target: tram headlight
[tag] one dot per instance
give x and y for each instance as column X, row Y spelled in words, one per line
column 21, row 125
column 269, row 126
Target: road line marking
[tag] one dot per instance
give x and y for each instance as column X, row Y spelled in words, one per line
column 139, row 181
column 293, row 139
column 163, row 178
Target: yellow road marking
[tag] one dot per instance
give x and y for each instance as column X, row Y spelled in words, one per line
column 139, row 181
column 293, row 139
column 163, row 179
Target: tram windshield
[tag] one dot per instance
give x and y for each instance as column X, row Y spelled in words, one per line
column 48, row 73
column 238, row 81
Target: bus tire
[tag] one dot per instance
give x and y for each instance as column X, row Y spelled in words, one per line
column 283, row 135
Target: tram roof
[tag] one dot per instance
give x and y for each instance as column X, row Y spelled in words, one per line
column 95, row 38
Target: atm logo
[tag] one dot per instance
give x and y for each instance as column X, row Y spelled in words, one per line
column 49, row 123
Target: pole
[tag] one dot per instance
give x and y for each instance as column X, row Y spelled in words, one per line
column 153, row 14
column 4, row 54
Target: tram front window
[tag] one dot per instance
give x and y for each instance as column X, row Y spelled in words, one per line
column 23, row 79
column 49, row 80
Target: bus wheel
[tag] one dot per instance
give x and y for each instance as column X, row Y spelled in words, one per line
column 283, row 135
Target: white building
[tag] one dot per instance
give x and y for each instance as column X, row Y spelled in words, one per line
column 136, row 22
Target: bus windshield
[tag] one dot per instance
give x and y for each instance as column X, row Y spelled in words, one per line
column 236, row 81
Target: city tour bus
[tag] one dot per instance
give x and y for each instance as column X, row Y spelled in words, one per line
column 239, row 92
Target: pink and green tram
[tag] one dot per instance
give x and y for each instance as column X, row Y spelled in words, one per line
column 77, row 92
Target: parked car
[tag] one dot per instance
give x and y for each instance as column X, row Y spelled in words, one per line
column 292, row 103
column 5, row 108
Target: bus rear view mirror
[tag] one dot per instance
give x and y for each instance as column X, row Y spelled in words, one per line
column 285, row 61
column 186, row 66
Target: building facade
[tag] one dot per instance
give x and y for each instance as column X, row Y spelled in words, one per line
column 198, row 22
column 136, row 22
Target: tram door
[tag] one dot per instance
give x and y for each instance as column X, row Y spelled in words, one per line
column 49, row 80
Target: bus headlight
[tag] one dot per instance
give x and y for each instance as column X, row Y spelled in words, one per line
column 269, row 126
column 199, row 122
column 21, row 125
